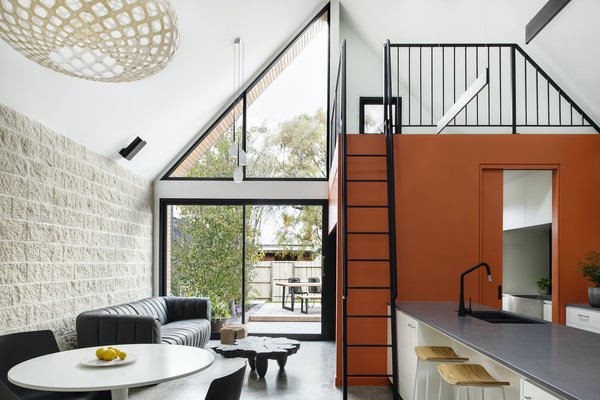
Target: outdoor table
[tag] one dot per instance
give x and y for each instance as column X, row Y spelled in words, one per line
column 285, row 285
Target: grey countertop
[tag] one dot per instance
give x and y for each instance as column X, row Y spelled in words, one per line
column 563, row 359
column 586, row 306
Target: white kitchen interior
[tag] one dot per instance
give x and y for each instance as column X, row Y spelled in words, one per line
column 527, row 242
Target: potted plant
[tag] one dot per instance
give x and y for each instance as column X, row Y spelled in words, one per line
column 543, row 285
column 590, row 270
column 219, row 314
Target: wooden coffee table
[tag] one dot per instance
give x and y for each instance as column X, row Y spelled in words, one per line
column 259, row 350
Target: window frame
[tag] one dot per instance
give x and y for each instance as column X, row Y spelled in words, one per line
column 370, row 101
column 329, row 256
column 242, row 97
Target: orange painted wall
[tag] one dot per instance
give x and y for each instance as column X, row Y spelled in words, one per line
column 447, row 219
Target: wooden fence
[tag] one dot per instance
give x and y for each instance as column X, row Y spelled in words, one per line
column 266, row 273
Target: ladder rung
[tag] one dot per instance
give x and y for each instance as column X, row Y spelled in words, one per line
column 369, row 345
column 369, row 287
column 366, row 155
column 368, row 233
column 368, row 316
column 368, row 206
column 366, row 180
column 369, row 375
column 369, row 259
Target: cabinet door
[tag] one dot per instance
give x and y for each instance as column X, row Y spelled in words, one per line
column 407, row 360
column 538, row 198
column 529, row 391
column 514, row 204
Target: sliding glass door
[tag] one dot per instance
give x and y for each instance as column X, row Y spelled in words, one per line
column 260, row 262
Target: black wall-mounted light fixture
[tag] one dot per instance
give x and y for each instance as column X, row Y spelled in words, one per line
column 134, row 147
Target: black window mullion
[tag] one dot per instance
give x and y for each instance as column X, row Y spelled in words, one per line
column 245, row 109
column 244, row 263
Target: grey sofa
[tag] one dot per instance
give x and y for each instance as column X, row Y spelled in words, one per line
column 170, row 320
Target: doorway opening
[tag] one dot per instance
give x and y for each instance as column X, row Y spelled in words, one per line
column 261, row 262
column 527, row 243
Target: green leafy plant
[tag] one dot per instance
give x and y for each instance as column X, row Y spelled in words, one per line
column 543, row 283
column 219, row 309
column 590, row 267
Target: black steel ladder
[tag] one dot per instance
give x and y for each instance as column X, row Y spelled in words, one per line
column 349, row 289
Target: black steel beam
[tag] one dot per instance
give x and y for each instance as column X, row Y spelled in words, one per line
column 543, row 18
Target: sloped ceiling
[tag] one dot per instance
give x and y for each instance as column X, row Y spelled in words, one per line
column 168, row 109
column 568, row 49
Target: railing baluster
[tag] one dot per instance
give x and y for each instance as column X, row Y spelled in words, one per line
column 537, row 98
column 454, row 79
column 489, row 87
column 513, row 87
column 500, row 81
column 466, row 68
column 443, row 80
column 477, row 76
column 420, row 86
column 431, row 63
column 409, row 91
column 525, row 69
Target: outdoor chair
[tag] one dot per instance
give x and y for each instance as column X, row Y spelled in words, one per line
column 19, row 347
column 314, row 293
column 294, row 290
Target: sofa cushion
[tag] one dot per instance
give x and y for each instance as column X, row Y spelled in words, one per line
column 153, row 306
column 189, row 332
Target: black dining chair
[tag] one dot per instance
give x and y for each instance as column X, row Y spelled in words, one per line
column 292, row 289
column 314, row 290
column 18, row 347
column 228, row 387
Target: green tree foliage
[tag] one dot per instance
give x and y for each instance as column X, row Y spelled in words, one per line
column 206, row 247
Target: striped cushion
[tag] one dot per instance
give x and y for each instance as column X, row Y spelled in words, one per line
column 189, row 332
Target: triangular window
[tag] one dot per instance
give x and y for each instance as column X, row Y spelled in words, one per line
column 284, row 131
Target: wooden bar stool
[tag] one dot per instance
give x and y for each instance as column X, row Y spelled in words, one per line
column 468, row 375
column 433, row 354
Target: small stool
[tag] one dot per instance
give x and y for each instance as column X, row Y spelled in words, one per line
column 468, row 375
column 231, row 332
column 430, row 354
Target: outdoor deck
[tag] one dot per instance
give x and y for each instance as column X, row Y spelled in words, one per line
column 271, row 318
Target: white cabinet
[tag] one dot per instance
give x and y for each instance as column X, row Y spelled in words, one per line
column 583, row 318
column 529, row 391
column 527, row 199
column 407, row 360
column 538, row 198
column 548, row 310
column 514, row 203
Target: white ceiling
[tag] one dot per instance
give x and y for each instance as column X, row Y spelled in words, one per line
column 169, row 109
column 568, row 49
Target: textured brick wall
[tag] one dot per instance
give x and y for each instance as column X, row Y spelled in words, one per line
column 75, row 230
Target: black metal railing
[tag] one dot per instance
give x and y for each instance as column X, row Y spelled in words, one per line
column 337, row 125
column 429, row 78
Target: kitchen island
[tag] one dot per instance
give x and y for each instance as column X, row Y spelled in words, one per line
column 553, row 359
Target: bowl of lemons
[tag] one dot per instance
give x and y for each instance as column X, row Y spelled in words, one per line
column 108, row 357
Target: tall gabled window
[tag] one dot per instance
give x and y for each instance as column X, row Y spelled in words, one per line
column 284, row 131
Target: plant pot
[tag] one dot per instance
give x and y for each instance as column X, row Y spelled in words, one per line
column 594, row 296
column 544, row 291
column 217, row 324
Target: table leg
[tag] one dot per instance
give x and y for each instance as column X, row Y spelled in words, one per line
column 119, row 394
column 281, row 362
column 283, row 297
column 252, row 363
column 293, row 299
column 262, row 364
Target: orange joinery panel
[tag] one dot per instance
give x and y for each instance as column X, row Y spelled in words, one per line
column 368, row 246
column 376, row 334
column 367, row 193
column 368, row 302
column 365, row 144
column 366, row 168
column 367, row 220
column 363, row 360
column 368, row 273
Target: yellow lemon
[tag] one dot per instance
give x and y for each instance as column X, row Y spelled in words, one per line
column 109, row 355
column 99, row 353
column 122, row 355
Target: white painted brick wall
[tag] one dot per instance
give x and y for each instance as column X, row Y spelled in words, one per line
column 75, row 230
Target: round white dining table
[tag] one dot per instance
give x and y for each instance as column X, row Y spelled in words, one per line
column 156, row 363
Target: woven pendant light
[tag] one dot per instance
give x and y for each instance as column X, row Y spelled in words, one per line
column 100, row 40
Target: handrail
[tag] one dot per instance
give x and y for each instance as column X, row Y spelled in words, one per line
column 433, row 75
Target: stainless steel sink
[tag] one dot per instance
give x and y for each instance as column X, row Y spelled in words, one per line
column 502, row 317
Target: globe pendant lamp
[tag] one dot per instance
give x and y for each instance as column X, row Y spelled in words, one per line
column 99, row 40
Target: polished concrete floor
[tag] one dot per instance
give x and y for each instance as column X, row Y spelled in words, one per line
column 308, row 375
